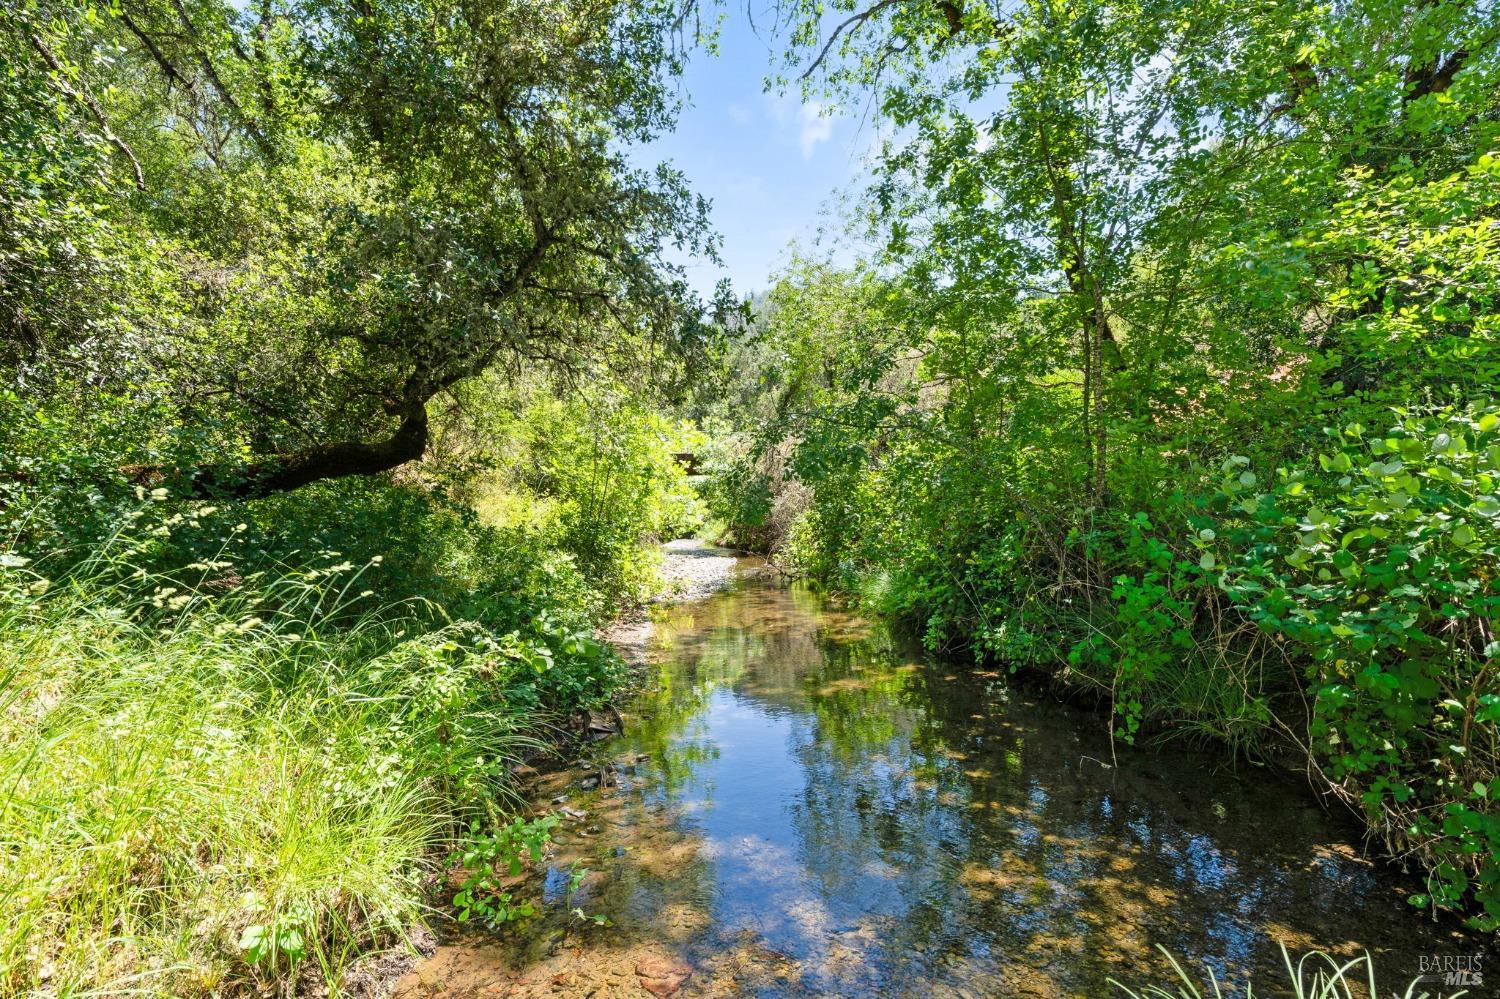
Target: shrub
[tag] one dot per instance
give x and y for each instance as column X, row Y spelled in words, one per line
column 1378, row 566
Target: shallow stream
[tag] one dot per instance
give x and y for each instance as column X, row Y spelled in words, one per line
column 801, row 805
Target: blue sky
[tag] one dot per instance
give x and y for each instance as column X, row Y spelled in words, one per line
column 769, row 163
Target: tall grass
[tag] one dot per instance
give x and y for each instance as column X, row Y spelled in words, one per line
column 201, row 789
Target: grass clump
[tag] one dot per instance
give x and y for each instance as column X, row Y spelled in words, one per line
column 1316, row 975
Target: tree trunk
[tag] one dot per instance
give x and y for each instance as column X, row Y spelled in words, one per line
column 294, row 469
column 1084, row 285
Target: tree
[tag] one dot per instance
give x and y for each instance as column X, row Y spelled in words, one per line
column 348, row 209
column 1095, row 159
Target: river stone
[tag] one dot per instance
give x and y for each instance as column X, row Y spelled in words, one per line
column 662, row 976
column 599, row 723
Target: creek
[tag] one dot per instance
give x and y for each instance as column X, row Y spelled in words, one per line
column 801, row 804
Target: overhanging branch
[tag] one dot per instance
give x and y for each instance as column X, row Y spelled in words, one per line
column 294, row 469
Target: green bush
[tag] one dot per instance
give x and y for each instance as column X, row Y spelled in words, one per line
column 595, row 480
column 1378, row 565
column 616, row 482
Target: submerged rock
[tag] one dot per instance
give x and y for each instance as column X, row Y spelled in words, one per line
column 662, row 975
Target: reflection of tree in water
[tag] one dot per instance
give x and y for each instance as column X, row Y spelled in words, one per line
column 888, row 828
column 1149, row 852
column 670, row 727
column 993, row 835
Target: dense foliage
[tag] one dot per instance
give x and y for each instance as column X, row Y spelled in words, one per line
column 343, row 359
column 335, row 341
column 1173, row 378
column 234, row 247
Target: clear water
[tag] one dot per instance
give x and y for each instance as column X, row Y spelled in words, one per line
column 801, row 805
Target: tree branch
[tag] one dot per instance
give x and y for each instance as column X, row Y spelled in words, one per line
column 851, row 23
column 165, row 64
column 82, row 97
column 294, row 469
column 1437, row 76
column 249, row 121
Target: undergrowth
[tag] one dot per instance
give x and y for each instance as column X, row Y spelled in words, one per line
column 225, row 773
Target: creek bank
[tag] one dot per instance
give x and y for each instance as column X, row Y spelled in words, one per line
column 691, row 570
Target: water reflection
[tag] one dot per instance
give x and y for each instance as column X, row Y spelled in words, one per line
column 806, row 807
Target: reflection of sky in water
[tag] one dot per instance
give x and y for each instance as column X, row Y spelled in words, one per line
column 889, row 825
column 784, row 865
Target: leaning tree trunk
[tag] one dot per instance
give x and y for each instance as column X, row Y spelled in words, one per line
column 293, row 469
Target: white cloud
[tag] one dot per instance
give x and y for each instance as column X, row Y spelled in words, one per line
column 817, row 126
column 739, row 114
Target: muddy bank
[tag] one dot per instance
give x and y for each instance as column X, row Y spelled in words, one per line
column 800, row 805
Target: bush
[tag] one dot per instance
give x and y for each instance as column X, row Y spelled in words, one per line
column 592, row 480
column 1378, row 566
